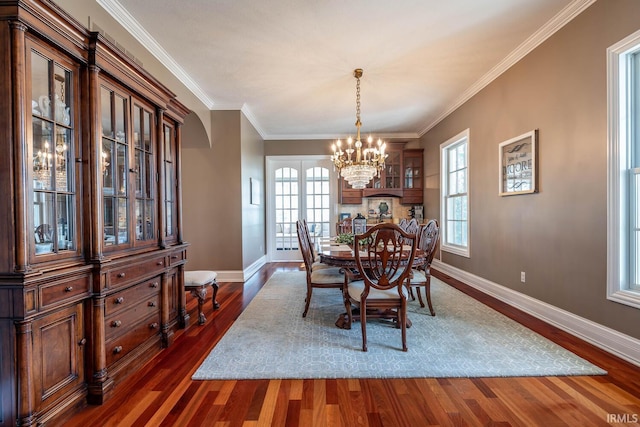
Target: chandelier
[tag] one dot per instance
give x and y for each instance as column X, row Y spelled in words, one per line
column 44, row 162
column 358, row 165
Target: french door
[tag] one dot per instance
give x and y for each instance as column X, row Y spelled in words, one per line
column 298, row 189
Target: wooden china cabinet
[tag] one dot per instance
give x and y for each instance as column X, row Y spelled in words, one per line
column 91, row 251
column 401, row 177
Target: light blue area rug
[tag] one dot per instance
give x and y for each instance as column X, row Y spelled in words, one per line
column 271, row 340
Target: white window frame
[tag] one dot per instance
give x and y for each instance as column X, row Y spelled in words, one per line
column 620, row 254
column 462, row 137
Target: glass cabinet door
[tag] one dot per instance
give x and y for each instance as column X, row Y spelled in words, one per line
column 169, row 142
column 115, row 167
column 392, row 169
column 143, row 160
column 413, row 170
column 128, row 169
column 52, row 150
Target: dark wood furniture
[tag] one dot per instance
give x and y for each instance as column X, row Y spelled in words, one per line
column 318, row 275
column 401, row 177
column 377, row 288
column 91, row 252
column 428, row 241
column 196, row 282
column 347, row 259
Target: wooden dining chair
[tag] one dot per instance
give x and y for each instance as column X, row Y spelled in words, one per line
column 428, row 242
column 318, row 275
column 378, row 288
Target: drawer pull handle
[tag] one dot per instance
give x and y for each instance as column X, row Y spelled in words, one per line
column 121, row 275
column 152, row 304
column 160, row 263
column 116, row 324
column 118, row 300
column 68, row 289
column 174, row 256
column 83, row 341
column 154, row 284
column 117, row 350
column 153, row 326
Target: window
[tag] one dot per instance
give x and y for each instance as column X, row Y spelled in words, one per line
column 623, row 220
column 454, row 194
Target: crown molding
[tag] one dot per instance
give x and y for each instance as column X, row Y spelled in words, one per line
column 331, row 136
column 562, row 18
column 124, row 18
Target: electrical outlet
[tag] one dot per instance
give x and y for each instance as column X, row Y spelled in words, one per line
column 522, row 276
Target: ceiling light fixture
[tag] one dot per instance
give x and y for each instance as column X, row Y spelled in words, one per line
column 358, row 165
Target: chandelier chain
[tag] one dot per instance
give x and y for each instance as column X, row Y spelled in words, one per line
column 358, row 102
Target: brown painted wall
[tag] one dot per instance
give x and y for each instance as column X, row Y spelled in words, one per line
column 212, row 197
column 558, row 236
column 253, row 216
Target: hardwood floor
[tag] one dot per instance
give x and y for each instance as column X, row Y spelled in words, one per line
column 162, row 394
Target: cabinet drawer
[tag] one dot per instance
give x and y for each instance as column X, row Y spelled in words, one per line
column 56, row 292
column 131, row 273
column 178, row 257
column 120, row 346
column 122, row 321
column 128, row 297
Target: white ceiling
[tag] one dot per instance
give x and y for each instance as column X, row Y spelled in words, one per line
column 288, row 64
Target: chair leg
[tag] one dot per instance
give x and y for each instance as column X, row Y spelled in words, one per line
column 427, row 290
column 307, row 301
column 402, row 318
column 420, row 296
column 363, row 325
column 201, row 295
column 214, row 301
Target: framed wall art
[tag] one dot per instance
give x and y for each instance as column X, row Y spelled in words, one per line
column 255, row 191
column 518, row 164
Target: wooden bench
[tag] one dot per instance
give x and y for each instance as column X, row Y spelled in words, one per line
column 196, row 282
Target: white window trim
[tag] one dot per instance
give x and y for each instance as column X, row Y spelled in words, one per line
column 458, row 250
column 617, row 206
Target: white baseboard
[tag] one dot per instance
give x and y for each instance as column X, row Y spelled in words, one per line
column 610, row 340
column 253, row 268
column 241, row 275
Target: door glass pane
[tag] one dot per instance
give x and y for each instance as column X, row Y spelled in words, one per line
column 137, row 126
column 61, row 95
column 40, row 101
column 123, row 221
column 44, row 222
column 318, row 208
column 43, row 162
column 149, row 221
column 286, row 209
column 109, row 221
column 120, row 108
column 107, row 167
column 105, row 111
column 121, row 167
column 66, row 228
column 146, row 127
column 62, row 161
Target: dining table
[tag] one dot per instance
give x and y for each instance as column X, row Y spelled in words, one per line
column 342, row 255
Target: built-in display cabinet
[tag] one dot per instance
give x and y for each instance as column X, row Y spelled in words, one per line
column 401, row 177
column 91, row 250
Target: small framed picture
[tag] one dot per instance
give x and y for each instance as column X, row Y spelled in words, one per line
column 518, row 164
column 255, row 191
column 344, row 215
